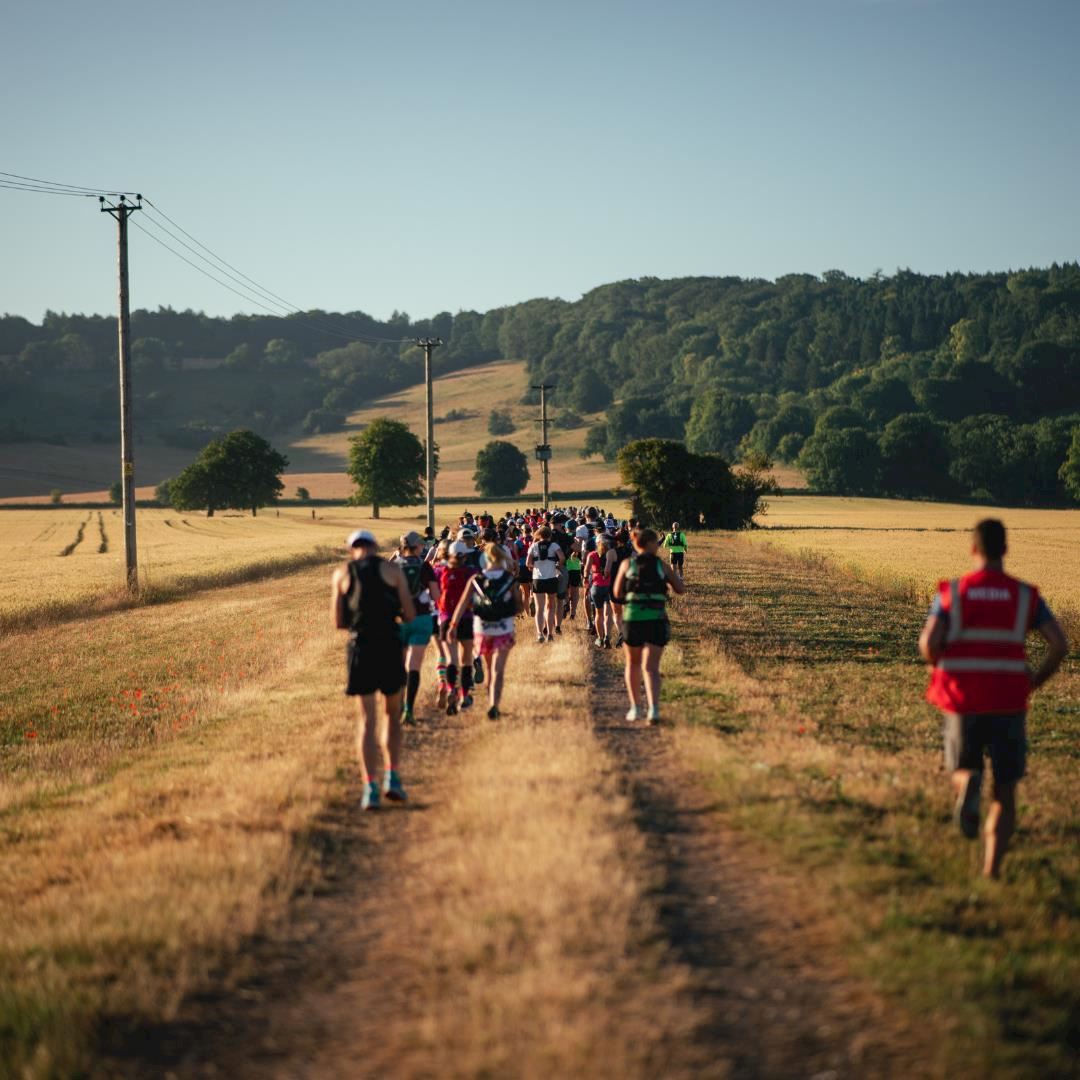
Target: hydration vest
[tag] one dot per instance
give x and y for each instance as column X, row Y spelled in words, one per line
column 983, row 667
column 675, row 542
column 412, row 567
column 543, row 555
column 372, row 605
column 645, row 590
column 495, row 597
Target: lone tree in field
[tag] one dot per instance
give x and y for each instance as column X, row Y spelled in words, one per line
column 116, row 493
column 386, row 463
column 239, row 471
column 501, row 469
column 668, row 483
column 500, row 422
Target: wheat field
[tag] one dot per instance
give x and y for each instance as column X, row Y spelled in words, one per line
column 911, row 546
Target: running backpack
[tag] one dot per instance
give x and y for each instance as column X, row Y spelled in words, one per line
column 495, row 597
column 412, row 567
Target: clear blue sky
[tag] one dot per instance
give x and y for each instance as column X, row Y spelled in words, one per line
column 434, row 156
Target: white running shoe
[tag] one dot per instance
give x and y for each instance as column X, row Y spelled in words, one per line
column 633, row 713
column 654, row 714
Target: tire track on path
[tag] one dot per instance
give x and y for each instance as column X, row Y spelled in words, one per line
column 778, row 998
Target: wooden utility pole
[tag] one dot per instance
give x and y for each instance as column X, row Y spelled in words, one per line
column 427, row 344
column 122, row 211
column 543, row 451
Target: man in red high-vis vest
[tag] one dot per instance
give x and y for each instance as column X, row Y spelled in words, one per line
column 974, row 640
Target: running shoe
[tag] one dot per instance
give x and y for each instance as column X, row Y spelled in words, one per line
column 607, row 643
column 493, row 713
column 478, row 671
column 599, row 642
column 407, row 715
column 654, row 714
column 558, row 630
column 451, row 707
column 370, row 799
column 393, row 788
column 540, row 639
column 466, row 701
column 966, row 812
column 633, row 713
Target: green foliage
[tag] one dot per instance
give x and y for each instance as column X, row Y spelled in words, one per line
column 669, row 483
column 501, row 469
column 1070, row 469
column 915, row 456
column 240, row 471
column 303, row 494
column 568, row 420
column 116, row 493
column 56, row 496
column 500, row 422
column 319, row 421
column 163, row 493
column 842, row 461
column 718, row 421
column 837, row 418
column 387, row 465
column 588, row 392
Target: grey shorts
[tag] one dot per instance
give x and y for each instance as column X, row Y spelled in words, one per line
column 968, row 739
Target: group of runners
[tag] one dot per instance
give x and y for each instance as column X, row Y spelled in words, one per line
column 466, row 589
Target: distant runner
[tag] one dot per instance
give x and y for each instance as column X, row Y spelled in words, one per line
column 544, row 561
column 600, row 569
column 453, row 581
column 641, row 584
column 368, row 596
column 415, row 635
column 675, row 542
column 974, row 639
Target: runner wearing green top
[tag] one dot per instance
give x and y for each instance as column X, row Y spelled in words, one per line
column 675, row 542
column 573, row 569
column 641, row 584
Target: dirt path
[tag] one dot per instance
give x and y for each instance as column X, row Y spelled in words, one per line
column 779, row 1001
column 723, row 981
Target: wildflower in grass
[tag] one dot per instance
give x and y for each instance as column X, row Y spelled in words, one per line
column 31, row 734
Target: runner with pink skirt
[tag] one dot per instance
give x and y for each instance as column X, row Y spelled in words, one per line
column 493, row 602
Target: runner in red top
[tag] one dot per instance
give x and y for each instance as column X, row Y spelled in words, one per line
column 980, row 679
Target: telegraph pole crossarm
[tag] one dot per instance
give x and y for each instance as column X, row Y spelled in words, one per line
column 427, row 344
column 121, row 211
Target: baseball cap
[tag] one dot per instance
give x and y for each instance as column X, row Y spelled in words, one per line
column 360, row 536
column 459, row 548
column 582, row 532
column 462, row 533
column 411, row 539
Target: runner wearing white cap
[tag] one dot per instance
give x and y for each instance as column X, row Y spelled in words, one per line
column 369, row 595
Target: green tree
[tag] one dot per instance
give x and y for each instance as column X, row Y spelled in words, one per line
column 116, row 493
column 501, row 469
column 669, row 483
column 983, row 456
column 1070, row 469
column 56, row 496
column 915, row 456
column 149, row 354
column 387, row 465
column 588, row 392
column 162, row 493
column 303, row 494
column 844, row 461
column 718, row 420
column 281, row 354
column 240, row 471
column 837, row 418
column 500, row 422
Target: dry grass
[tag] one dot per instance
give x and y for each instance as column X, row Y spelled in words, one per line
column 536, row 950
column 475, row 391
column 910, row 546
column 810, row 724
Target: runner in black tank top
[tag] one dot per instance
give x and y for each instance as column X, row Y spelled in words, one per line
column 369, row 596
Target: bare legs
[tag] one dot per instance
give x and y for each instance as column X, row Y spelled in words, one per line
column 496, row 673
column 373, row 735
column 545, row 613
column 603, row 620
column 643, row 664
column 1000, row 823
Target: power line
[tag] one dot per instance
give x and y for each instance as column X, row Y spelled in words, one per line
column 69, row 187
column 47, row 191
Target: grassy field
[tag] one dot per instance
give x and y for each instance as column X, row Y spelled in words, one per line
column 910, row 546
column 29, row 471
column 805, row 699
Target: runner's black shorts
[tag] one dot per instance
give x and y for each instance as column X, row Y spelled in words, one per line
column 647, row 632
column 1003, row 736
column 464, row 630
column 374, row 667
column 546, row 586
column 524, row 576
column 575, row 578
column 677, row 558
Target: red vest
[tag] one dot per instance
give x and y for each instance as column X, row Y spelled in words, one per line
column 983, row 667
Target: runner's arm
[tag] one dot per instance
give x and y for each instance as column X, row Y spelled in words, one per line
column 932, row 638
column 1057, row 650
column 339, row 586
column 618, row 587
